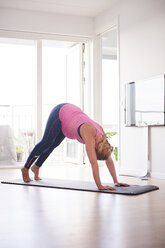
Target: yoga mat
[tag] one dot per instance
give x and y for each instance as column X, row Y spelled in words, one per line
column 83, row 186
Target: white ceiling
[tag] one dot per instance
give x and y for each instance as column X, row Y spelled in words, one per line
column 90, row 8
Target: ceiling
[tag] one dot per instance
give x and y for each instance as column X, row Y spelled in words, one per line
column 90, row 8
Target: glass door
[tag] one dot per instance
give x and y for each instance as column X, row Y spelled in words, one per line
column 110, row 88
column 17, row 99
column 61, row 82
column 54, row 87
column 74, row 95
column 36, row 76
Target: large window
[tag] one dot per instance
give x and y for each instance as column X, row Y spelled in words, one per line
column 35, row 77
column 110, row 86
column 55, row 84
column 17, row 98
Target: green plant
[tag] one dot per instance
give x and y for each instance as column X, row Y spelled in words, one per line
column 19, row 149
column 110, row 134
column 115, row 151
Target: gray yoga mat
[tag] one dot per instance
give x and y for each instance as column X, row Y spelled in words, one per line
column 83, row 186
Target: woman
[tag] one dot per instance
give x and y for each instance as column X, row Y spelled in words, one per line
column 67, row 120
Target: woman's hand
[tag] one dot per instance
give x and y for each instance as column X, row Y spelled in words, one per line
column 121, row 184
column 106, row 187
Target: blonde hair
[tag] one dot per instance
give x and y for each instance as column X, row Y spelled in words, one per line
column 104, row 150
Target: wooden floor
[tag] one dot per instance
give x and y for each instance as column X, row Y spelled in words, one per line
column 53, row 218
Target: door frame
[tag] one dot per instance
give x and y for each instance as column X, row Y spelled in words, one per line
column 80, row 159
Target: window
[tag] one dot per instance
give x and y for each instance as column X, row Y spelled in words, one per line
column 17, row 97
column 54, row 68
column 110, row 86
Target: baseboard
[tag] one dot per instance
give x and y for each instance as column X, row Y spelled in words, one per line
column 132, row 173
column 158, row 175
column 136, row 173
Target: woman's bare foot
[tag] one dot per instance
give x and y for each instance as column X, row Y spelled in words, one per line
column 35, row 170
column 25, row 175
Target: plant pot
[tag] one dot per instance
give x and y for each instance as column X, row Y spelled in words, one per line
column 19, row 157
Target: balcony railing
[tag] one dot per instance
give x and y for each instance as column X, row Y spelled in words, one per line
column 21, row 121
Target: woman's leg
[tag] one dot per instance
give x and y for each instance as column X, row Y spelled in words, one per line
column 44, row 155
column 53, row 128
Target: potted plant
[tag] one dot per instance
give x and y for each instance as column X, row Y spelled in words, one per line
column 19, row 152
column 115, row 151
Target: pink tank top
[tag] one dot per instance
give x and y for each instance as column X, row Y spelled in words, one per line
column 71, row 118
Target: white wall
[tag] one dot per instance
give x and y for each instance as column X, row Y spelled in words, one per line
column 142, row 55
column 43, row 22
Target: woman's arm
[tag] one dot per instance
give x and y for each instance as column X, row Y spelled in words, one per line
column 111, row 168
column 95, row 169
column 88, row 134
column 90, row 149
